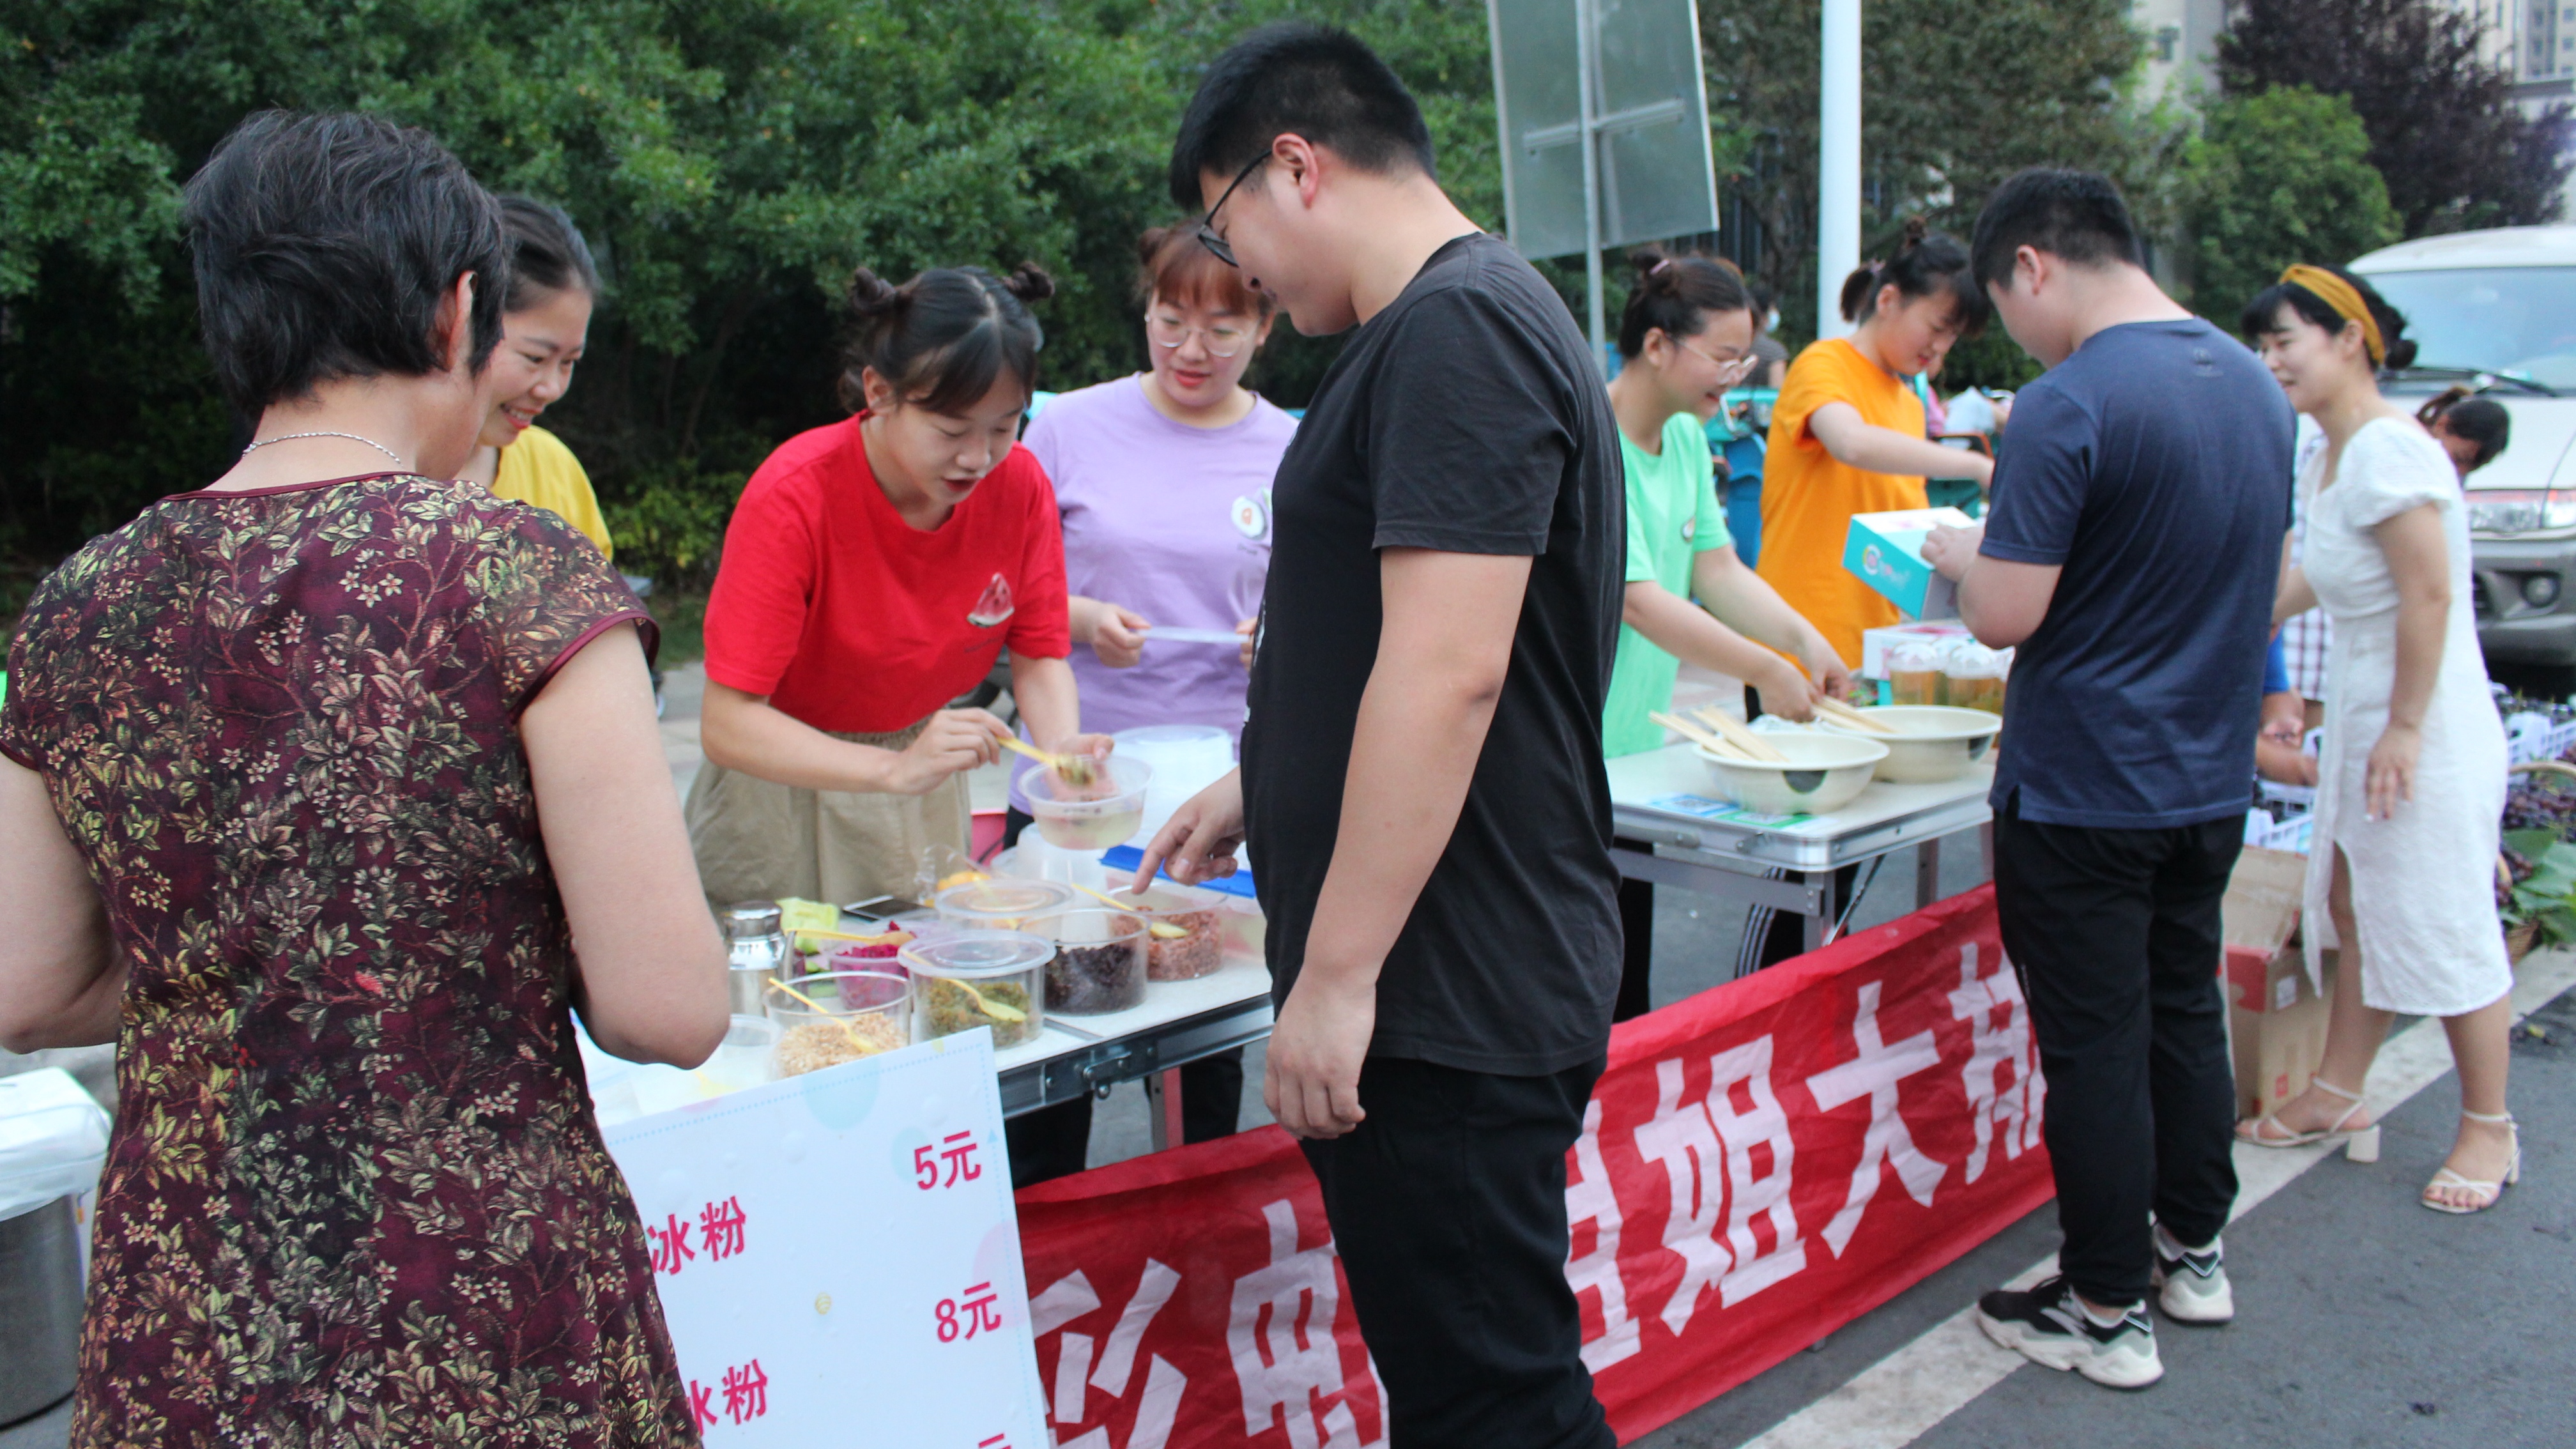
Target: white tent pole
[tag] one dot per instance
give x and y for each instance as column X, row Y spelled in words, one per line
column 1837, row 164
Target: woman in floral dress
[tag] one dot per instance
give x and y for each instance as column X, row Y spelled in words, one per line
column 314, row 779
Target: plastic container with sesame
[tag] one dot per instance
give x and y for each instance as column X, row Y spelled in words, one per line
column 833, row 1017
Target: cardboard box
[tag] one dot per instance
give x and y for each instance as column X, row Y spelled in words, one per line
column 1874, row 643
column 2276, row 1020
column 1885, row 551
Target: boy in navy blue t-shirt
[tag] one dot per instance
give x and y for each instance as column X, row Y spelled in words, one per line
column 2140, row 501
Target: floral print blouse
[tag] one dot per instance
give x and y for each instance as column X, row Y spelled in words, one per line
column 356, row 1194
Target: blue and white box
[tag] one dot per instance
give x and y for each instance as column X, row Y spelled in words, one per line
column 1885, row 551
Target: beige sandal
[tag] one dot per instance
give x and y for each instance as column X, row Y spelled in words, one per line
column 2360, row 1144
column 2493, row 1190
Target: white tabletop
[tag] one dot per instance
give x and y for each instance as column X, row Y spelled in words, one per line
column 1672, row 798
column 1241, row 979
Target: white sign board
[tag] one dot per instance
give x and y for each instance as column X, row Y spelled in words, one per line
column 838, row 1257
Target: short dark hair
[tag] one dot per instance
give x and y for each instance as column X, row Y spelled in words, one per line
column 324, row 246
column 943, row 338
column 2480, row 420
column 1926, row 263
column 2263, row 313
column 547, row 253
column 2074, row 215
column 1313, row 80
column 1675, row 294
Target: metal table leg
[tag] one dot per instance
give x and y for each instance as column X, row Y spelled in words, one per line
column 1828, row 907
column 1927, row 872
column 1163, row 1107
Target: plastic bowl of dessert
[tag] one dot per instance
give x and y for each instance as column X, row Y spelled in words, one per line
column 1929, row 743
column 1101, row 812
column 1822, row 773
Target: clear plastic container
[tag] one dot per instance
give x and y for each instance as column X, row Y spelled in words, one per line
column 1201, row 918
column 980, row 978
column 1014, row 903
column 746, row 1057
column 1972, row 677
column 1914, row 672
column 841, row 1017
column 1091, row 817
column 1099, row 964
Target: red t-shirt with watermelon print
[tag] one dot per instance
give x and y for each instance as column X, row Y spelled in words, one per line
column 852, row 620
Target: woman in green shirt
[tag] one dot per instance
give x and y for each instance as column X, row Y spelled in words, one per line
column 1687, row 337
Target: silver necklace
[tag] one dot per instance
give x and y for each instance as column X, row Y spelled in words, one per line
column 352, row 437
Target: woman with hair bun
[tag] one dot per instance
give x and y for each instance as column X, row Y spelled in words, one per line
column 875, row 570
column 2412, row 780
column 1163, row 481
column 545, row 325
column 2473, row 430
column 1686, row 337
column 1847, row 435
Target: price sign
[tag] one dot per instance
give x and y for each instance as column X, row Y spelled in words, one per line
column 838, row 1251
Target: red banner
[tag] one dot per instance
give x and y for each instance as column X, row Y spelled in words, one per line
column 1760, row 1165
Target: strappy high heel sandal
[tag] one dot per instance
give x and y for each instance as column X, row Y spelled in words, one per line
column 2360, row 1144
column 2494, row 1191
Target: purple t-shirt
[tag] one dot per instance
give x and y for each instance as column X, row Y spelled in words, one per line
column 1172, row 522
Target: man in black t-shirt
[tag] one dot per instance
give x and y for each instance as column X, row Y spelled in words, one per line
column 1428, row 817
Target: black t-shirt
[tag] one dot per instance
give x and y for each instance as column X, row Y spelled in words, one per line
column 1467, row 417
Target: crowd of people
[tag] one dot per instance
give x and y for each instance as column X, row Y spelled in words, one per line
column 333, row 788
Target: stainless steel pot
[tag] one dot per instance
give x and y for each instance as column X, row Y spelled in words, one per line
column 40, row 1309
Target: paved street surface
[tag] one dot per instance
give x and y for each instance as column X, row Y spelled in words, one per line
column 2364, row 1320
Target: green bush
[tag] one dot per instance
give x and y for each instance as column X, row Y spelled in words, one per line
column 2272, row 179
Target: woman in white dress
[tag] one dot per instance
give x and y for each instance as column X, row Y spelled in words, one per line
column 2411, row 788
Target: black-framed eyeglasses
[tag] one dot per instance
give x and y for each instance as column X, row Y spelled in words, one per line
column 1218, row 246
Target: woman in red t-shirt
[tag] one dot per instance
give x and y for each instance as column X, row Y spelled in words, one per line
column 873, row 572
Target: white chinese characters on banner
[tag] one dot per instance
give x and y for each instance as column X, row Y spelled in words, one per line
column 787, row 1318
column 1280, row 1335
column 1720, row 1189
column 1874, row 1074
column 1590, row 1203
column 2014, row 1107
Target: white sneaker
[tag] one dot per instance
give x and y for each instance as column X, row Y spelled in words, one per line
column 2191, row 1283
column 2048, row 1326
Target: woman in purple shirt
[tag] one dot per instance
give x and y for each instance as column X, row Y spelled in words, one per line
column 1163, row 479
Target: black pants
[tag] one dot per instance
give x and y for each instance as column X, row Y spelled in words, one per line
column 1448, row 1208
column 2116, row 936
column 1637, row 952
column 1054, row 1142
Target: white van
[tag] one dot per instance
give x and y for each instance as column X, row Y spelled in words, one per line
column 2497, row 310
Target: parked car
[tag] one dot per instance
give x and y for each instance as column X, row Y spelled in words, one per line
column 2496, row 310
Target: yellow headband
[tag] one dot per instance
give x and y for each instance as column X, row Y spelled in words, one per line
column 2339, row 294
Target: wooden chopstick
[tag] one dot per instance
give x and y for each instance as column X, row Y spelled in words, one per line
column 1697, row 735
column 1738, row 734
column 1845, row 714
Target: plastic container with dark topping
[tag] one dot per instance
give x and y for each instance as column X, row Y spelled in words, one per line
column 1099, row 964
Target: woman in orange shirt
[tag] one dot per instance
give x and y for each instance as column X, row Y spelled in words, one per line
column 1847, row 437
column 1847, row 433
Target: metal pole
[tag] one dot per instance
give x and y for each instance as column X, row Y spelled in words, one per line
column 1837, row 164
column 1586, row 43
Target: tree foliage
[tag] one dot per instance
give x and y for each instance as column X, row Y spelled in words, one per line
column 2456, row 151
column 2272, row 179
column 732, row 160
column 1957, row 95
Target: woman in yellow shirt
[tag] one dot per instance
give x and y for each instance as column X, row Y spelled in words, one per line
column 545, row 321
column 1847, row 433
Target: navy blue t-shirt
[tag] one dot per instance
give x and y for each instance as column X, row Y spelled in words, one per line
column 2153, row 466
